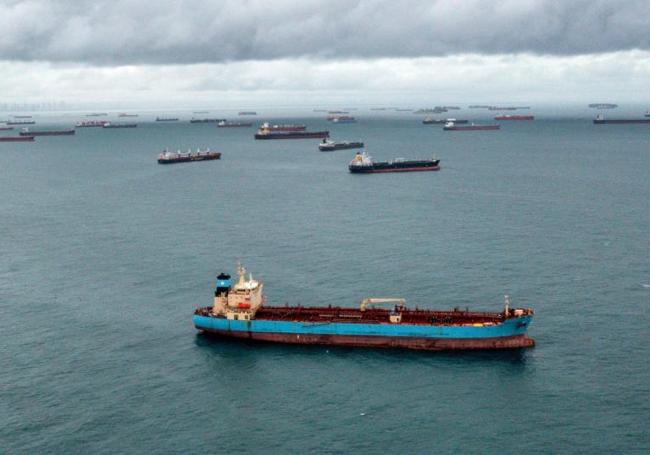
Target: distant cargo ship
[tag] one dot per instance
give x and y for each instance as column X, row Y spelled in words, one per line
column 166, row 119
column 330, row 146
column 20, row 122
column 16, row 138
column 267, row 133
column 514, row 117
column 436, row 110
column 362, row 163
column 226, row 124
column 91, row 124
column 167, row 157
column 119, row 125
column 27, row 132
column 284, row 127
column 239, row 311
column 451, row 126
column 434, row 121
column 97, row 114
column 603, row 106
column 342, row 119
column 6, row 128
column 601, row 120
column 21, row 116
column 247, row 113
column 337, row 112
column 207, row 120
column 124, row 114
column 479, row 106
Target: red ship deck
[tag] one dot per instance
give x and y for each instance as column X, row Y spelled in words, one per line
column 371, row 315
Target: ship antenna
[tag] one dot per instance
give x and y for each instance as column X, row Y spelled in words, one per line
column 506, row 304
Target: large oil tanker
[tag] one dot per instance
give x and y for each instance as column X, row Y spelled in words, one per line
column 239, row 311
column 362, row 163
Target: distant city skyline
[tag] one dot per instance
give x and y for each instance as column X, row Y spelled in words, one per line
column 368, row 52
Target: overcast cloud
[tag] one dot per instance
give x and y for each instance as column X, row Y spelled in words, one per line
column 119, row 32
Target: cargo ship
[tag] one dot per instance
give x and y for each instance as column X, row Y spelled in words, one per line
column 226, row 124
column 437, row 121
column 286, row 127
column 330, row 146
column 207, row 120
column 16, row 138
column 124, row 114
column 362, row 163
column 6, row 128
column 20, row 122
column 97, row 114
column 91, row 124
column 28, row 132
column 342, row 119
column 167, row 157
column 267, row 133
column 21, row 116
column 247, row 113
column 166, row 119
column 603, row 106
column 451, row 126
column 239, row 311
column 119, row 125
column 514, row 117
column 601, row 120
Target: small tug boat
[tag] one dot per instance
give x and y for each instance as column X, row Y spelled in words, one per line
column 167, row 157
column 451, row 126
column 239, row 311
column 330, row 146
column 362, row 163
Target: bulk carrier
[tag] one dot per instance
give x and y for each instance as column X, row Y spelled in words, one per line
column 239, row 311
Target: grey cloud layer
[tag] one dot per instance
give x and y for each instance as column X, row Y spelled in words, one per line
column 181, row 31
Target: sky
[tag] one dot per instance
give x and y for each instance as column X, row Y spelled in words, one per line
column 251, row 52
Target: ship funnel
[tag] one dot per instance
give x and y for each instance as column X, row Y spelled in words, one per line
column 223, row 285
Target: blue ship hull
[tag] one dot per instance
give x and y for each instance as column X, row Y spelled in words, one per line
column 511, row 333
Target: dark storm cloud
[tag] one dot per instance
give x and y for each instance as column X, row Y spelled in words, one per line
column 181, row 31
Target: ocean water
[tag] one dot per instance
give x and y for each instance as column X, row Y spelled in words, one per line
column 104, row 254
